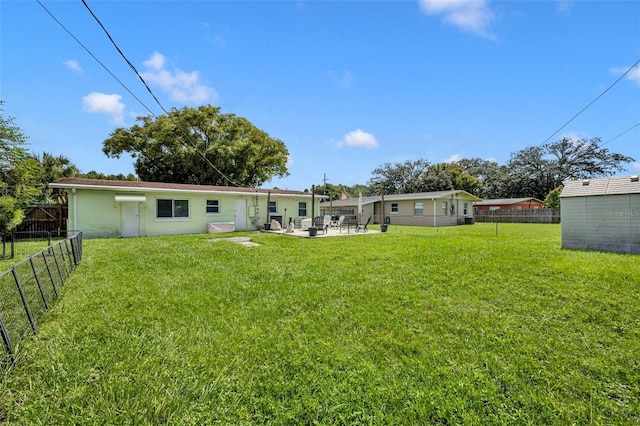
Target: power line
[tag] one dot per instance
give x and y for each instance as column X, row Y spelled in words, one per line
column 124, row 57
column 621, row 134
column 94, row 57
column 187, row 138
column 133, row 68
column 593, row 101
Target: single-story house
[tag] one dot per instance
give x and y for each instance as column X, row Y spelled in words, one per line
column 601, row 214
column 509, row 204
column 110, row 208
column 438, row 208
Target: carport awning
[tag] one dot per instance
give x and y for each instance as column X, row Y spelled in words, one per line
column 131, row 198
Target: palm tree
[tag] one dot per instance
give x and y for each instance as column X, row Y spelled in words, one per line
column 54, row 168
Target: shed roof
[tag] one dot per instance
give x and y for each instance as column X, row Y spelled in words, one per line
column 505, row 201
column 617, row 185
column 140, row 186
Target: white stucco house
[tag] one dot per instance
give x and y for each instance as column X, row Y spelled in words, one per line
column 109, row 208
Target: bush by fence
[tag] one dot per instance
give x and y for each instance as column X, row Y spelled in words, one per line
column 518, row 216
column 30, row 287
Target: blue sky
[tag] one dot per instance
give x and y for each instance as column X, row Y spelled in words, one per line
column 347, row 85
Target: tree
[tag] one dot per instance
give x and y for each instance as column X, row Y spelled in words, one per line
column 552, row 200
column 200, row 146
column 19, row 172
column 583, row 158
column 495, row 179
column 537, row 170
column 399, row 178
column 10, row 214
column 54, row 168
column 448, row 176
column 92, row 174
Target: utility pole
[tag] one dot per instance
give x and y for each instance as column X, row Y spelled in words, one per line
column 324, row 182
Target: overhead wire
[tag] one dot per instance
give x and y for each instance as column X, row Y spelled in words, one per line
column 593, row 101
column 94, row 57
column 187, row 137
column 621, row 134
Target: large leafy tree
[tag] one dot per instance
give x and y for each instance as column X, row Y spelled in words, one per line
column 399, row 178
column 537, row 170
column 200, row 146
column 495, row 178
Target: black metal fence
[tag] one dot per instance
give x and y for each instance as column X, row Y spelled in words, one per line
column 21, row 244
column 30, row 287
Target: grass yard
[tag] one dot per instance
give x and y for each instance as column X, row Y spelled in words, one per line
column 416, row 326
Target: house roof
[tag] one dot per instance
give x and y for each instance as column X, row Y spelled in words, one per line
column 505, row 201
column 400, row 197
column 618, row 185
column 139, row 186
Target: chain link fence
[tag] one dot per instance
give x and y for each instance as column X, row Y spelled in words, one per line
column 30, row 287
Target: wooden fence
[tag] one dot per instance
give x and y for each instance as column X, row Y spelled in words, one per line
column 518, row 216
column 39, row 218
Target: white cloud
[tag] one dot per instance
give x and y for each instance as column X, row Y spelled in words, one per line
column 360, row 139
column 473, row 16
column 636, row 167
column 102, row 103
column 453, row 158
column 72, row 64
column 634, row 74
column 181, row 86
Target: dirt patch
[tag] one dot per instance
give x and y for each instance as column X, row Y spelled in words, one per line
column 245, row 241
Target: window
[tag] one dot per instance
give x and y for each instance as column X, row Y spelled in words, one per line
column 452, row 209
column 213, row 206
column 302, row 209
column 464, row 208
column 172, row 208
column 273, row 207
column 444, row 208
column 394, row 207
column 417, row 209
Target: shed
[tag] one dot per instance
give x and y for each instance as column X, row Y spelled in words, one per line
column 601, row 214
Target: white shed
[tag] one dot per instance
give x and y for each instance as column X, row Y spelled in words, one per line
column 601, row 214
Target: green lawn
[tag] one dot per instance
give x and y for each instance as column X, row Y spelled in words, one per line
column 415, row 326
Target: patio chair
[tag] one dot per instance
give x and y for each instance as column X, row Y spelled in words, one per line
column 363, row 228
column 320, row 223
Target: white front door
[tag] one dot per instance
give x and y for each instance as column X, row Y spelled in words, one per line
column 241, row 214
column 129, row 219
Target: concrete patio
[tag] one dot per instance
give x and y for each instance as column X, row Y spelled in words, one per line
column 331, row 232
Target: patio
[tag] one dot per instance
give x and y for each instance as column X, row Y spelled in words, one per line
column 331, row 232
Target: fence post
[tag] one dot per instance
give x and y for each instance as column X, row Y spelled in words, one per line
column 7, row 341
column 24, row 301
column 35, row 274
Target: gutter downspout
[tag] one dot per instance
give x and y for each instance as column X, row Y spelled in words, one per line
column 75, row 210
column 435, row 220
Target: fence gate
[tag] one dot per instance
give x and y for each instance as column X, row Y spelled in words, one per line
column 45, row 217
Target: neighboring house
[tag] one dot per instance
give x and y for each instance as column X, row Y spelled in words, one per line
column 439, row 208
column 108, row 208
column 509, row 204
column 601, row 214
